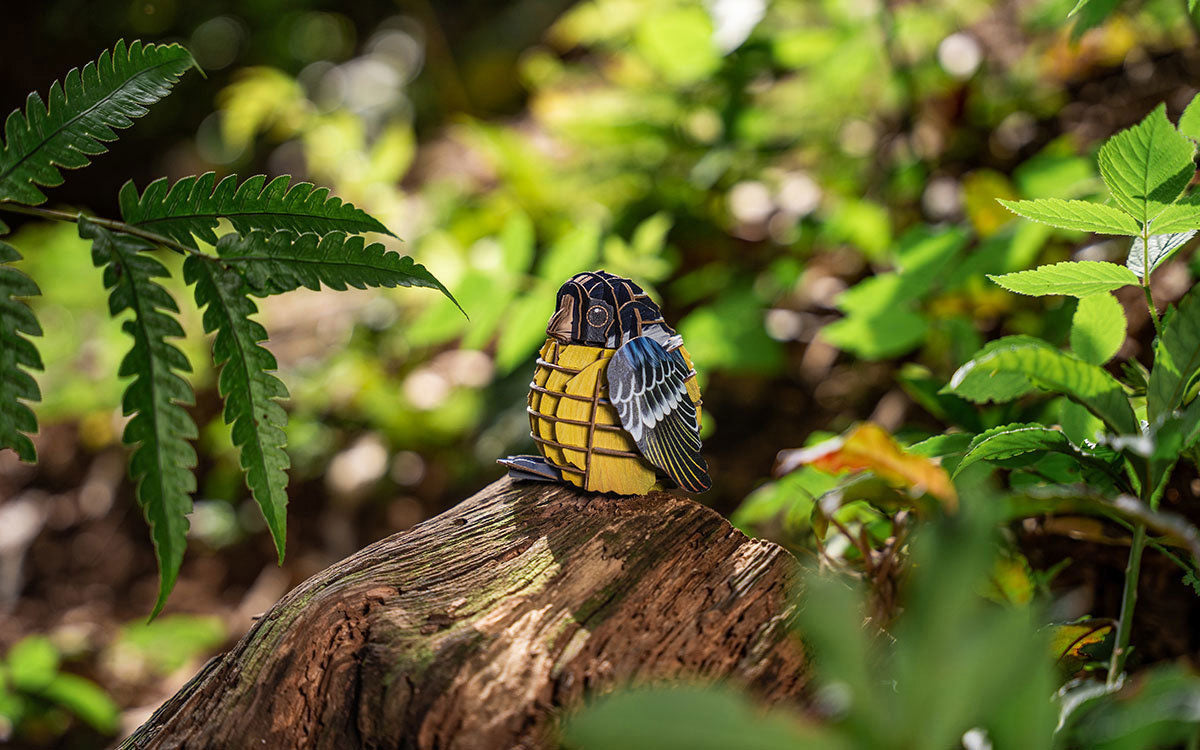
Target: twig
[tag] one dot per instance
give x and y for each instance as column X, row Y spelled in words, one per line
column 116, row 226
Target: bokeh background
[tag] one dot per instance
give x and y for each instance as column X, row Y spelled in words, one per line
column 748, row 161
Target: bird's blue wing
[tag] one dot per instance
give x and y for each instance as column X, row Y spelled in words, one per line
column 648, row 386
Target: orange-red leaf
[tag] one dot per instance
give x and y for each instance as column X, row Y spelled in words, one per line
column 869, row 447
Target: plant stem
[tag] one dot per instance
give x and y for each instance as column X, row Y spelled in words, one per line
column 1153, row 309
column 1146, row 280
column 111, row 224
column 1133, row 570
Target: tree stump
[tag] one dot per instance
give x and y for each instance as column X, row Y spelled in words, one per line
column 477, row 627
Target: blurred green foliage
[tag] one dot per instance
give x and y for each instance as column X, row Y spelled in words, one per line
column 786, row 177
column 37, row 698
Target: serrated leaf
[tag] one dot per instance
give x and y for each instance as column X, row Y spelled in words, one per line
column 1082, row 216
column 1010, row 440
column 281, row 262
column 1146, row 167
column 160, row 427
column 83, row 112
column 1181, row 216
column 194, row 205
column 1070, row 278
column 248, row 387
column 1097, row 328
column 981, row 386
column 939, row 446
column 1176, row 358
column 18, row 355
column 1160, row 246
column 1059, row 372
column 1189, row 121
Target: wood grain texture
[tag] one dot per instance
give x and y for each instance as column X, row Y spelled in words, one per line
column 477, row 627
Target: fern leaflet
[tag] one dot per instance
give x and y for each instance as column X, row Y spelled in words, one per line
column 162, row 461
column 248, row 387
column 193, row 205
column 82, row 114
column 17, row 355
column 280, row 262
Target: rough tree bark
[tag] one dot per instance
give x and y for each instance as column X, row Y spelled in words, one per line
column 476, row 628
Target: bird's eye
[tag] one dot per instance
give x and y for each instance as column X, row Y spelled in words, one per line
column 597, row 316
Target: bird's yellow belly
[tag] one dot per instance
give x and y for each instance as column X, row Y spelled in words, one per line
column 578, row 430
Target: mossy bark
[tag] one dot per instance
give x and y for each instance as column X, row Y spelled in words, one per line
column 476, row 628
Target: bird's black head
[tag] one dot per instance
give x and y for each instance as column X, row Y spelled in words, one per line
column 597, row 308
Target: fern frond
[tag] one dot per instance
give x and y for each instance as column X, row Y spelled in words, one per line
column 193, row 205
column 162, row 461
column 248, row 387
column 17, row 355
column 82, row 113
column 281, row 262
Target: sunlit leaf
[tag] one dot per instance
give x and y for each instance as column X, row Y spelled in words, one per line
column 1147, row 166
column 1071, row 278
column 1016, row 439
column 869, row 447
column 1050, row 370
column 1189, row 121
column 32, row 663
column 1097, row 328
column 1079, row 215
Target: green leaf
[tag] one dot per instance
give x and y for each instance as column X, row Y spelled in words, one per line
column 939, row 446
column 248, row 387
column 1161, row 247
column 170, row 642
column 1176, row 358
column 1178, row 217
column 1098, row 328
column 1089, row 14
column 193, row 206
column 1078, row 215
column 1189, row 121
column 691, row 718
column 1077, row 500
column 525, row 328
column 17, row 355
column 1059, row 372
column 1154, row 709
column 32, row 663
column 85, row 699
column 1017, row 439
column 160, row 428
column 1147, row 166
column 981, row 386
column 875, row 336
column 1071, row 278
column 281, row 262
column 82, row 114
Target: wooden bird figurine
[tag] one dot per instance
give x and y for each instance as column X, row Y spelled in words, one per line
column 614, row 405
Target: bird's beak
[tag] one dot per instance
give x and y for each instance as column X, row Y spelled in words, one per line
column 562, row 321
